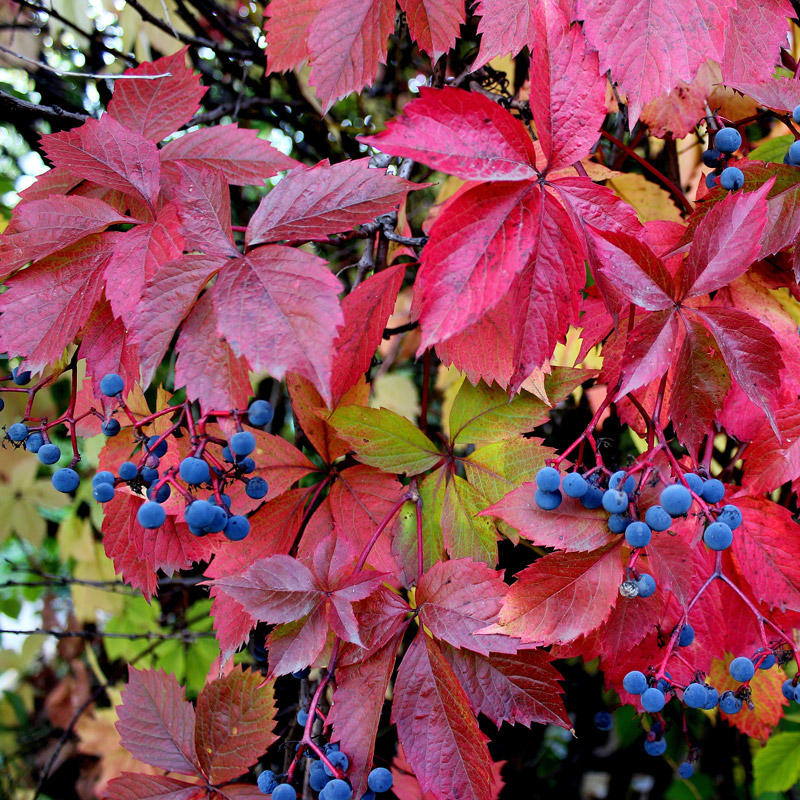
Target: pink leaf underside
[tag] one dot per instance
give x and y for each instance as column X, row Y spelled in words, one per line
column 434, row 24
column 506, row 26
column 137, row 786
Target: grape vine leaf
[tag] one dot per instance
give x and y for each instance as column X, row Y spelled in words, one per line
column 137, row 786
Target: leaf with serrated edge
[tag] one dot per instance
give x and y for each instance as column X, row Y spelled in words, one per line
column 466, row 534
column 434, row 24
column 138, row 786
column 770, row 463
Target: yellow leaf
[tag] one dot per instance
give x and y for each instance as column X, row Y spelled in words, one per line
column 397, row 392
column 448, row 382
column 649, row 200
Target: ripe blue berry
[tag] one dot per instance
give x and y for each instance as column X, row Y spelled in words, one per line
column 17, row 432
column 593, row 498
column 161, row 495
column 694, row 482
column 49, row 454
column 259, row 413
column 20, row 377
column 788, row 689
column 65, row 480
column 237, row 528
column 302, row 716
column 226, row 500
column 575, row 485
column 687, row 635
column 219, row 520
column 148, row 475
column 267, row 781
column 243, row 443
column 712, row 158
column 246, row 465
column 742, row 669
column 34, row 441
column 338, row 759
column 718, row 536
column 676, row 500
column 111, row 427
column 732, row 179
column 151, row 515
column 317, row 776
column 797, row 694
column 646, row 585
column 256, row 488
column 337, row 789
column 713, row 699
column 103, row 492
column 111, row 384
column 284, row 792
column 637, row 534
column 731, row 516
column 796, row 114
column 159, row 450
column 380, row 779
column 695, row 695
column 728, row 140
column 768, row 662
column 685, row 770
column 653, row 700
column 227, row 455
column 603, row 721
column 793, row 155
column 635, row 682
column 712, row 180
column 128, row 470
column 548, row 479
column 194, row 471
column 657, row 518
column 547, row 501
column 618, row 522
column 730, row 703
column 103, row 477
column 615, row 501
column 713, row 491
column 655, row 748
column 199, row 513
column 615, row 480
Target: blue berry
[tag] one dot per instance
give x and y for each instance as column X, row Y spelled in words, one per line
column 695, row 695
column 256, row 488
column 111, row 384
column 718, row 536
column 603, row 721
column 103, row 477
column 302, row 716
column 547, row 501
column 657, row 747
column 259, row 413
column 615, row 501
column 337, row 789
column 797, row 694
column 331, row 747
column 128, row 470
column 380, row 779
column 742, row 669
column 219, row 519
column 247, row 465
column 637, row 534
column 2, row 404
column 338, row 759
column 34, row 441
column 317, row 778
column 732, row 179
column 796, row 114
column 646, row 584
column 768, row 662
column 111, row 427
column 284, row 792
column 151, row 515
column 149, row 475
column 199, row 513
column 20, row 377
column 728, row 140
column 159, row 450
column 712, row 158
column 226, row 500
column 103, row 492
column 18, row 432
column 227, row 455
column 657, row 518
column 694, row 482
column 161, row 495
column 593, row 498
column 713, row 699
column 635, row 682
column 194, row 471
column 267, row 781
column 237, row 528
column 49, row 454
column 548, row 479
column 615, row 480
column 65, row 480
column 713, row 491
column 731, row 516
column 793, row 155
column 243, row 443
column 788, row 689
column 618, row 522
column 730, row 703
column 653, row 700
column 575, row 485
column 687, row 635
column 712, row 181
column 685, row 770
column 676, row 500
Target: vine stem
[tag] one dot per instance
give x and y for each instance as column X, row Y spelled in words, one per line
column 420, row 554
column 362, row 559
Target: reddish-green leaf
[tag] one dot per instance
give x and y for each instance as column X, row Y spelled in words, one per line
column 137, row 786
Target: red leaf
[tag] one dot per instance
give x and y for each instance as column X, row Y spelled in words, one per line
column 156, row 722
column 235, row 718
column 137, row 786
column 105, row 152
column 463, row 133
column 568, row 92
column 434, row 24
column 286, row 29
column 279, row 308
column 726, row 242
column 49, row 184
column 238, row 153
column 296, row 645
column 457, row 598
column 138, row 254
column 156, row 108
column 562, row 596
column 312, row 202
column 39, row 228
column 227, row 385
column 769, row 462
column 649, row 48
column 520, row 688
column 47, row 304
column 671, row 559
column 166, row 299
column 650, row 350
column 438, row 731
column 750, row 350
column 345, row 49
column 506, row 26
column 781, row 93
column 571, row 527
column 279, row 462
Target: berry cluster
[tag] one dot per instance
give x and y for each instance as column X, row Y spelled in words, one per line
column 726, row 142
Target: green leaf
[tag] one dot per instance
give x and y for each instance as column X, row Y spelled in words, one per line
column 773, row 149
column 777, row 765
column 466, row 535
column 497, row 469
column 385, row 440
